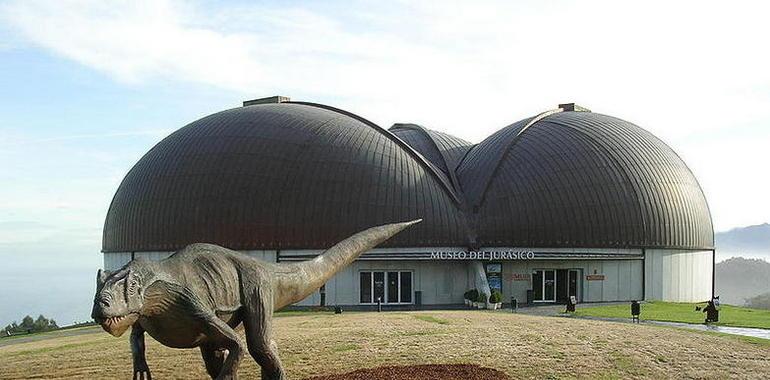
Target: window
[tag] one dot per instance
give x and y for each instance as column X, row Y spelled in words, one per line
column 406, row 287
column 394, row 287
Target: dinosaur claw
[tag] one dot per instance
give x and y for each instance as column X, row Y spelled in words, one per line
column 142, row 375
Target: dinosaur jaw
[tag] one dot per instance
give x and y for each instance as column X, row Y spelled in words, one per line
column 116, row 326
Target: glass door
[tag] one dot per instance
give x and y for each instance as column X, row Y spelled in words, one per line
column 573, row 283
column 379, row 287
column 544, row 285
column 393, row 287
column 549, row 286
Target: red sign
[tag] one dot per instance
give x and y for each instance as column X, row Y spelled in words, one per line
column 595, row 277
column 518, row 277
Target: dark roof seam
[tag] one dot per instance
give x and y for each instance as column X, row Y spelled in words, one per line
column 509, row 148
column 403, row 145
column 450, row 171
column 465, row 155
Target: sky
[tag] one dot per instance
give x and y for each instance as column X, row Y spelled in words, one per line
column 87, row 87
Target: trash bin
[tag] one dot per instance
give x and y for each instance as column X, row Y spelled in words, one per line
column 530, row 296
column 636, row 309
column 418, row 297
column 514, row 304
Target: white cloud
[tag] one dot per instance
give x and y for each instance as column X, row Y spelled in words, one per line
column 683, row 70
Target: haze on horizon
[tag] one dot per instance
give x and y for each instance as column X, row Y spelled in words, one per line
column 87, row 87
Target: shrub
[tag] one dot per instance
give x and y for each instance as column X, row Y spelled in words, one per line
column 496, row 297
column 481, row 298
column 473, row 294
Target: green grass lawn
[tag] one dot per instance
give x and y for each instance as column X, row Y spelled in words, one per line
column 682, row 312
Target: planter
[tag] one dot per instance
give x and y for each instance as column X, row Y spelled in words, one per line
column 480, row 305
column 467, row 302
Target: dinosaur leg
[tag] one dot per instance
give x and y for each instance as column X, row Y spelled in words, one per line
column 257, row 323
column 214, row 358
column 223, row 336
column 141, row 370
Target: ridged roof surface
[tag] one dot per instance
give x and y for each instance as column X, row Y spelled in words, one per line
column 581, row 179
column 278, row 176
column 302, row 175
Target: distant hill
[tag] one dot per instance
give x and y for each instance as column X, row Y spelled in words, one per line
column 751, row 239
column 739, row 278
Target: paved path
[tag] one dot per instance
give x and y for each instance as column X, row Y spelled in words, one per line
column 551, row 310
column 743, row 331
column 558, row 311
column 49, row 335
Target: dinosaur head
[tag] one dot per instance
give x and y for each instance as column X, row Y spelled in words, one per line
column 119, row 298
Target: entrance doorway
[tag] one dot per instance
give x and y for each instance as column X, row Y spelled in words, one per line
column 555, row 285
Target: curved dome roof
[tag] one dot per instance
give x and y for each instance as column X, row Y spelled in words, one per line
column 582, row 179
column 444, row 151
column 302, row 175
column 278, row 176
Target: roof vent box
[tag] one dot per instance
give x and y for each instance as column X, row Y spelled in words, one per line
column 573, row 107
column 268, row 100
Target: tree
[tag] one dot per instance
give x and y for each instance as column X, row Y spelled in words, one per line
column 28, row 324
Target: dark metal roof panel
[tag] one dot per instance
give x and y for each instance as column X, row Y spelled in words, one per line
column 588, row 180
column 421, row 142
column 277, row 176
column 475, row 170
column 302, row 175
column 453, row 148
column 443, row 150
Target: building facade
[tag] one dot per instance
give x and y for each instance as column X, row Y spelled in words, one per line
column 565, row 203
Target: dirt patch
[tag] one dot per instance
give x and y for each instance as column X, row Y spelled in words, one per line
column 420, row 372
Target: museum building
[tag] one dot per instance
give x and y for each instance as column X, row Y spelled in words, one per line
column 564, row 203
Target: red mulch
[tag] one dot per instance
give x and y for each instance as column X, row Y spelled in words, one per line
column 420, row 372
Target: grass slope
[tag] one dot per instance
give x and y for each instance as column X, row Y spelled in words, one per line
column 683, row 312
column 522, row 346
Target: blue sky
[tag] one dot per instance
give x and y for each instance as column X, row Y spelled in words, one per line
column 86, row 87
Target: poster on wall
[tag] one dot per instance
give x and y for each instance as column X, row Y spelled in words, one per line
column 495, row 276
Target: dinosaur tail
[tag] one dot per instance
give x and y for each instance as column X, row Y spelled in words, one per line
column 295, row 281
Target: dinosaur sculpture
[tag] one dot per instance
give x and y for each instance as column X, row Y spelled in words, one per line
column 200, row 294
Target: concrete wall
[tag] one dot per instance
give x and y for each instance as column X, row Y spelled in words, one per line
column 622, row 278
column 669, row 275
column 678, row 275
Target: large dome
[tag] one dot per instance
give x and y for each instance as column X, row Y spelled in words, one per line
column 277, row 176
column 300, row 175
column 582, row 179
